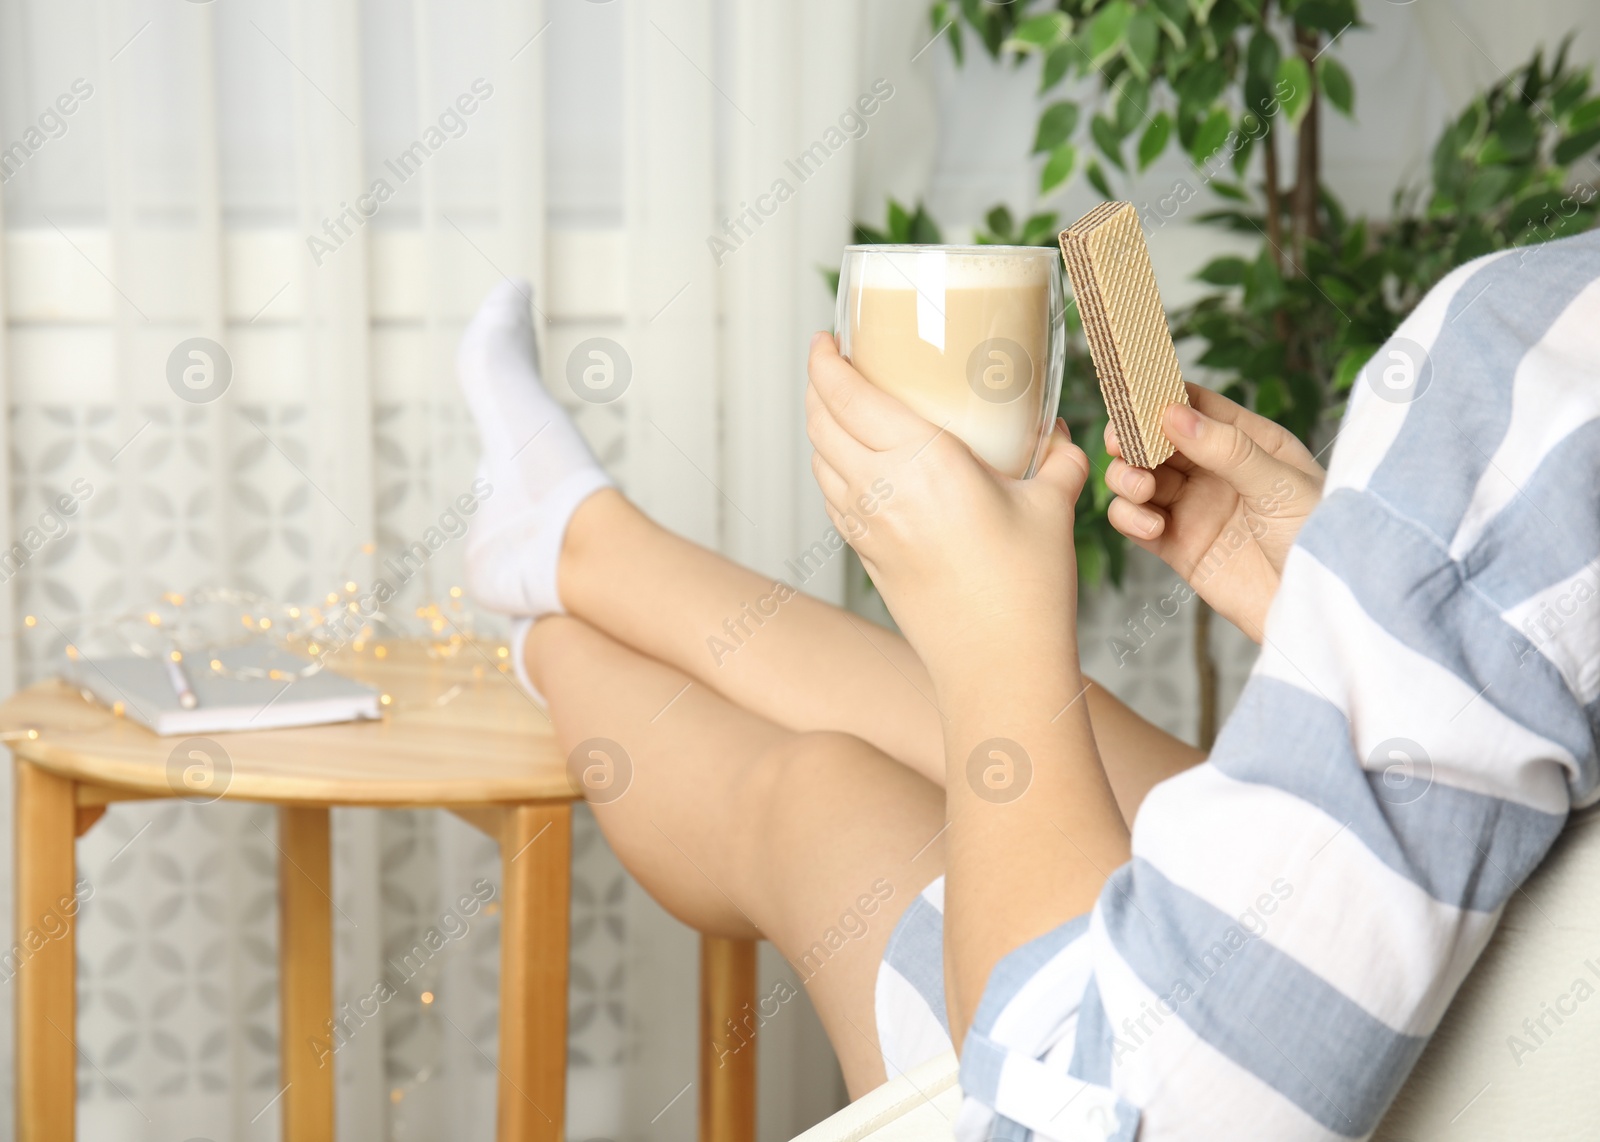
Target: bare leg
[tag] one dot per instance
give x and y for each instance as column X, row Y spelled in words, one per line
column 807, row 666
column 740, row 828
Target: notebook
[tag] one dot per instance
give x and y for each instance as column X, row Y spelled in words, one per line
column 225, row 704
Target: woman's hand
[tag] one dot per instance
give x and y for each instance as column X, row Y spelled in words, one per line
column 978, row 570
column 1223, row 511
column 963, row 555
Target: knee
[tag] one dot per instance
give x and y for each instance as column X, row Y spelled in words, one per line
column 805, row 781
column 808, row 765
column 555, row 638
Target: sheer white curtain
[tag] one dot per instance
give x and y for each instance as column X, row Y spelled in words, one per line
column 325, row 188
column 198, row 187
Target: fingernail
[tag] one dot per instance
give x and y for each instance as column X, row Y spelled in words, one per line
column 1146, row 522
column 1184, row 420
column 1135, row 481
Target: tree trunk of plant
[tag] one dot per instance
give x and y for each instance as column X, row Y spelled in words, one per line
column 1205, row 672
column 1269, row 158
column 1308, row 156
column 1269, row 162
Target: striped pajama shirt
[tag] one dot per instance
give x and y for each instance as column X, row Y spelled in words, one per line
column 1300, row 909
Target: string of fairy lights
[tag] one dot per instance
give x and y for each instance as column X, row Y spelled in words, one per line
column 195, row 628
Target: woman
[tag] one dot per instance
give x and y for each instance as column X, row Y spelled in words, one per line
column 922, row 826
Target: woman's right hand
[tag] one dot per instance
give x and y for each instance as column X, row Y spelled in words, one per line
column 1224, row 510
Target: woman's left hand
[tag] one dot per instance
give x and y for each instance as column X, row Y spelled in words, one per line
column 962, row 554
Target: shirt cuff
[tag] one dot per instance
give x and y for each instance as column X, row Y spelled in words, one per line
column 1016, row 1059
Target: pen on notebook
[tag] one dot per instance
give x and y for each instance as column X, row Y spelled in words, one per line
column 180, row 680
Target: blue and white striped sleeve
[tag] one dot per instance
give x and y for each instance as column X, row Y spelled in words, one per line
column 1300, row 909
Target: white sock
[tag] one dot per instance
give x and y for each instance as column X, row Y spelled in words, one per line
column 538, row 466
column 519, row 663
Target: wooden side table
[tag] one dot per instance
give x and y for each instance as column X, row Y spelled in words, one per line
column 487, row 754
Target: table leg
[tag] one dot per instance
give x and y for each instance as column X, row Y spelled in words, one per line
column 43, row 959
column 305, row 967
column 727, row 1040
column 536, row 855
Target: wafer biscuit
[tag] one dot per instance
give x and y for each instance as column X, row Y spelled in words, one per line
column 1125, row 326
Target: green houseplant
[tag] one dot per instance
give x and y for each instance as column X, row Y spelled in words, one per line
column 1241, row 88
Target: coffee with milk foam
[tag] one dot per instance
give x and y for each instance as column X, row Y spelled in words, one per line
column 960, row 338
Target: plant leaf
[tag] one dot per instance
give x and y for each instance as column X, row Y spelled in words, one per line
column 1143, row 38
column 1056, row 66
column 1261, row 72
column 1293, row 88
column 1200, row 84
column 1331, row 16
column 1570, row 91
column 1494, row 153
column 1584, row 115
column 1226, row 271
column 1131, row 105
column 1172, row 27
column 1263, row 285
column 1105, row 137
column 1516, row 131
column 1271, row 397
column 1336, row 85
column 924, row 230
column 1058, row 168
column 1107, row 30
column 941, row 16
column 899, row 222
column 1040, row 230
column 1040, row 33
column 1489, row 188
column 1241, row 153
column 1350, row 365
column 1097, row 179
column 1176, row 11
column 1154, row 139
column 977, row 18
column 1574, row 147
column 1211, row 136
column 1055, row 126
